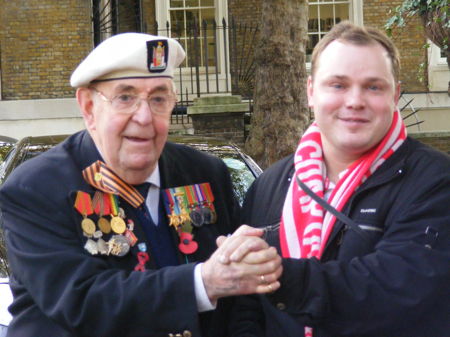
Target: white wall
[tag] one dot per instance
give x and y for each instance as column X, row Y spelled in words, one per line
column 39, row 117
column 61, row 116
column 434, row 110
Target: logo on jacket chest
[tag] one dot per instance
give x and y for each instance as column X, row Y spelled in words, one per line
column 368, row 210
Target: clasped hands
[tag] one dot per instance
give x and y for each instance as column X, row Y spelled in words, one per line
column 243, row 264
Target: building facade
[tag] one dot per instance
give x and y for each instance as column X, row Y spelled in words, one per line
column 42, row 41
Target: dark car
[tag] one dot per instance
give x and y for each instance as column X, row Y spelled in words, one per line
column 24, row 149
column 242, row 168
column 6, row 143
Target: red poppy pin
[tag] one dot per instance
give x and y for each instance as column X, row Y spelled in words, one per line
column 187, row 244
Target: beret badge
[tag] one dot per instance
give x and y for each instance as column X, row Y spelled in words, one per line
column 157, row 55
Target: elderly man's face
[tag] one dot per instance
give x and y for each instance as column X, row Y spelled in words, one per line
column 353, row 95
column 130, row 142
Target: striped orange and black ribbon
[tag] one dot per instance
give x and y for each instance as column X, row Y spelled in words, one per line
column 103, row 178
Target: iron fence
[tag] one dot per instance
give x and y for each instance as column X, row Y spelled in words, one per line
column 219, row 59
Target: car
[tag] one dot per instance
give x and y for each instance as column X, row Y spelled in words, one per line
column 6, row 143
column 243, row 171
column 242, row 167
column 24, row 149
column 5, row 300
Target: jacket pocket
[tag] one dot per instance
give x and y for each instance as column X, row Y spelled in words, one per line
column 351, row 244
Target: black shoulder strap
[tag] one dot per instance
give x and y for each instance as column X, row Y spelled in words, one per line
column 341, row 216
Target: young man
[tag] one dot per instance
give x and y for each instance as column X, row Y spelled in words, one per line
column 99, row 232
column 380, row 266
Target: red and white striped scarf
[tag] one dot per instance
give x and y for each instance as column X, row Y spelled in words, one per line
column 305, row 226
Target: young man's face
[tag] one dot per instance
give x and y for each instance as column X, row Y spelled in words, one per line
column 353, row 95
column 130, row 143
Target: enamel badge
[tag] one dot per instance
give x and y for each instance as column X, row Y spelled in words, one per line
column 157, row 50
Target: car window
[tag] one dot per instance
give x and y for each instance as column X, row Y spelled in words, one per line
column 5, row 148
column 7, row 162
column 241, row 176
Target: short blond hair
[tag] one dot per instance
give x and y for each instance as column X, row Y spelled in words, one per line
column 362, row 36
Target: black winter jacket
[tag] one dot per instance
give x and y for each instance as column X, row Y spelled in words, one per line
column 394, row 282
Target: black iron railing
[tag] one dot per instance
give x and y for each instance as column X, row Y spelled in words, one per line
column 219, row 59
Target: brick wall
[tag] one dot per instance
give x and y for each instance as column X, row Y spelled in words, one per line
column 246, row 12
column 409, row 41
column 228, row 125
column 438, row 140
column 41, row 43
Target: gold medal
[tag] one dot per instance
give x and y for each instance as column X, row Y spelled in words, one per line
column 88, row 226
column 118, row 225
column 104, row 225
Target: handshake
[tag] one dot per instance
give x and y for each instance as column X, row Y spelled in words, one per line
column 242, row 264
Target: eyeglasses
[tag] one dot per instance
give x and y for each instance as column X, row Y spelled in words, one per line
column 159, row 103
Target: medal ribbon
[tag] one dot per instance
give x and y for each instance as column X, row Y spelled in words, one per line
column 176, row 206
column 199, row 194
column 190, row 195
column 206, row 187
column 182, row 200
column 98, row 203
column 83, row 203
column 169, row 200
column 114, row 202
column 103, row 178
column 106, row 204
column 102, row 203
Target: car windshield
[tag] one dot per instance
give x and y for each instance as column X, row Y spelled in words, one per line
column 242, row 168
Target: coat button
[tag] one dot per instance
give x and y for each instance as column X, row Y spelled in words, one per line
column 281, row 306
column 187, row 333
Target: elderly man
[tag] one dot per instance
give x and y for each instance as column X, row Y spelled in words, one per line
column 374, row 259
column 103, row 231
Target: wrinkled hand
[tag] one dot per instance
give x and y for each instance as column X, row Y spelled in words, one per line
column 243, row 264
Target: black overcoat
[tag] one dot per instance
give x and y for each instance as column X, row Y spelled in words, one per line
column 62, row 290
column 394, row 282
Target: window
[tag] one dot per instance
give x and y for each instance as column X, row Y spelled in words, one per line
column 188, row 17
column 443, row 56
column 438, row 71
column 325, row 14
column 194, row 18
column 110, row 17
column 206, row 67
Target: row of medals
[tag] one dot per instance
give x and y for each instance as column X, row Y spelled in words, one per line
column 118, row 244
column 203, row 215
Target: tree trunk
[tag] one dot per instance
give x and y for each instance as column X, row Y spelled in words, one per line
column 280, row 109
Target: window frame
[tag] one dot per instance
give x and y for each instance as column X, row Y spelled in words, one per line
column 438, row 70
column 162, row 16
column 355, row 15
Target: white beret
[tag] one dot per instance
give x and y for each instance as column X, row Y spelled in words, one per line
column 129, row 55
